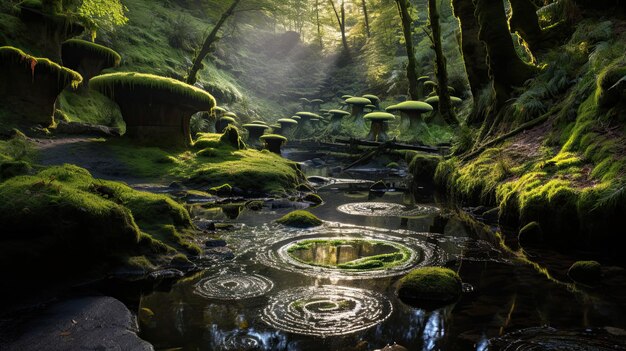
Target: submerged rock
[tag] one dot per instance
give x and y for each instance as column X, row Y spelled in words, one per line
column 300, row 219
column 430, row 287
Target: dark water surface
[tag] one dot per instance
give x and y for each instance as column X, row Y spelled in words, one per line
column 263, row 299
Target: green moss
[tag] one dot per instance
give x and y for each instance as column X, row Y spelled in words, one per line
column 313, row 198
column 393, row 165
column 90, row 107
column 300, row 219
column 530, row 234
column 176, row 90
column 9, row 169
column 586, row 272
column 222, row 190
column 74, row 49
column 423, row 167
column 42, row 65
column 430, row 287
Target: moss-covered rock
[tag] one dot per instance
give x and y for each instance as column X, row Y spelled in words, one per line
column 300, row 219
column 222, row 190
column 430, row 287
column 530, row 234
column 313, row 198
column 9, row 169
column 423, row 167
column 63, row 220
column 586, row 272
column 30, row 86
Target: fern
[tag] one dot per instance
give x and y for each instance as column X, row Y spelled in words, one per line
column 613, row 198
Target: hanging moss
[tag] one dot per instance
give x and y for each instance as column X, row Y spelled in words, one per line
column 30, row 85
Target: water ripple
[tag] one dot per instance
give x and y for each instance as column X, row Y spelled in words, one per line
column 234, row 286
column 386, row 209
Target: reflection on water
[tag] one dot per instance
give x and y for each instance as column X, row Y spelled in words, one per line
column 347, row 253
column 269, row 299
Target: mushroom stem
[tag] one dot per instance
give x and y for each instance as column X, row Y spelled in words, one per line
column 274, row 145
column 377, row 131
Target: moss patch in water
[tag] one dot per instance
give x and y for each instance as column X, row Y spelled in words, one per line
column 349, row 254
column 430, row 287
column 300, row 219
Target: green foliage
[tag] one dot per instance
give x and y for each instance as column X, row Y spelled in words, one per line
column 300, row 219
column 101, row 14
column 90, row 107
column 430, row 287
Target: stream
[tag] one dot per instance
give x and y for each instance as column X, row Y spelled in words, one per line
column 265, row 298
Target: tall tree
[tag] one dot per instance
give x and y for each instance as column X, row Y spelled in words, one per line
column 367, row 19
column 320, row 37
column 341, row 21
column 444, row 106
column 192, row 75
column 506, row 68
column 474, row 52
column 411, row 68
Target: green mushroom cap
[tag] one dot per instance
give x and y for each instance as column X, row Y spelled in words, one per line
column 219, row 108
column 65, row 75
column 339, row 113
column 317, row 101
column 370, row 106
column 254, row 125
column 345, row 97
column 434, row 100
column 230, row 114
column 372, row 98
column 273, row 137
column 430, row 83
column 304, row 100
column 379, row 116
column 227, row 119
column 77, row 46
column 297, row 118
column 258, row 122
column 410, row 105
column 287, row 120
column 358, row 101
column 423, row 78
column 304, row 114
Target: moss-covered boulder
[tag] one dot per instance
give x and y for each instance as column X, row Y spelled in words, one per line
column 423, row 167
column 88, row 58
column 300, row 219
column 586, row 272
column 530, row 234
column 30, row 86
column 61, row 221
column 430, row 287
column 157, row 110
column 611, row 86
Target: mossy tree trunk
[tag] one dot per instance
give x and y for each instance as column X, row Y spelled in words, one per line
column 411, row 68
column 445, row 107
column 208, row 42
column 525, row 22
column 366, row 16
column 474, row 52
column 506, row 68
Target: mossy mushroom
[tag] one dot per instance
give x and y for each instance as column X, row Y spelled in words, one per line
column 370, row 107
column 430, row 85
column 430, row 287
column 296, row 118
column 433, row 101
column 287, row 125
column 315, row 104
column 304, row 102
column 345, row 97
column 156, row 109
column 218, row 111
column 420, row 85
column 273, row 142
column 375, row 100
column 377, row 128
column 258, row 121
column 411, row 114
column 336, row 116
column 30, row 85
column 254, row 132
column 305, row 125
column 230, row 114
column 358, row 104
column 88, row 58
column 47, row 28
column 224, row 122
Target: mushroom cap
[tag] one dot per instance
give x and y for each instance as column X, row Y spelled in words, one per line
column 430, row 83
column 258, row 122
column 373, row 107
column 42, row 65
column 451, row 89
column 287, row 120
column 230, row 114
column 304, row 100
column 309, row 115
column 273, row 137
column 371, row 97
column 317, row 101
column 275, row 126
column 345, row 97
column 139, row 86
column 255, row 126
column 455, row 100
column 77, row 47
column 358, row 101
column 411, row 105
column 435, row 100
column 339, row 113
column 297, row 118
column 227, row 119
column 219, row 108
column 323, row 110
column 423, row 78
column 379, row 116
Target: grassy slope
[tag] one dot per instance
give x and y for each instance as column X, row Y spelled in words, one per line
column 567, row 174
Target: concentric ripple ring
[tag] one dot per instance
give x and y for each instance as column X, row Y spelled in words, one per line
column 326, row 310
column 234, row 286
column 380, row 209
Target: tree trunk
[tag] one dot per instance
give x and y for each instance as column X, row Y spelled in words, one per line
column 208, row 42
column 506, row 68
column 474, row 52
column 341, row 21
column 367, row 19
column 319, row 26
column 445, row 108
column 411, row 68
column 525, row 22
